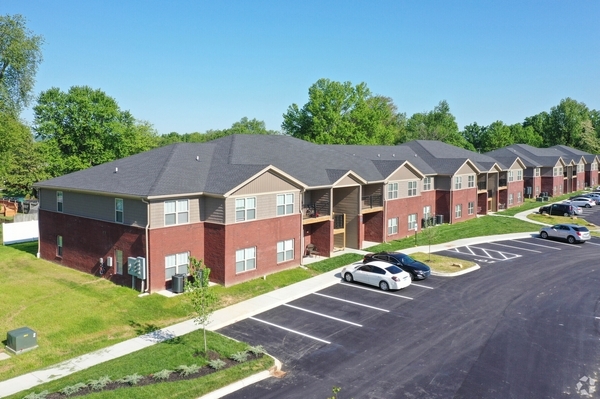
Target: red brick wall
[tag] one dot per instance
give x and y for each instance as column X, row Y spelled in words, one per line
column 482, row 203
column 169, row 241
column 85, row 241
column 374, row 226
column 401, row 208
column 548, row 184
column 442, row 204
column 463, row 197
column 514, row 188
column 264, row 235
column 214, row 256
column 321, row 234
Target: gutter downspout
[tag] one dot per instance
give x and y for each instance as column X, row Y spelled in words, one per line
column 147, row 254
column 302, row 244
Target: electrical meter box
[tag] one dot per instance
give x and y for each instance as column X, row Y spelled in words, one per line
column 21, row 340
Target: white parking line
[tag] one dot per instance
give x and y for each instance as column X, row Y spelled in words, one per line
column 290, row 330
column 422, row 286
column 354, row 303
column 562, row 243
column 537, row 245
column 512, row 246
column 321, row 314
column 378, row 292
column 592, row 243
column 484, row 250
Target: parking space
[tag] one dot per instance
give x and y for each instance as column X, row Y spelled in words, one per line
column 312, row 321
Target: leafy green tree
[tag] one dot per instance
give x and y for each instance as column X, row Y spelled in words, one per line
column 85, row 127
column 438, row 124
column 526, row 135
column 565, row 123
column 20, row 55
column 539, row 124
column 497, row 135
column 474, row 134
column 340, row 113
column 203, row 300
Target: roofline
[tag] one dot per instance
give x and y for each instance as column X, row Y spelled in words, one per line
column 75, row 190
column 347, row 174
column 264, row 170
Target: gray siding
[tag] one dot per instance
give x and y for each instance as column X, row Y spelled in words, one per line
column 157, row 211
column 346, row 200
column 346, row 181
column 404, row 173
column 372, row 189
column 443, row 183
column 214, row 210
column 94, row 206
column 266, row 205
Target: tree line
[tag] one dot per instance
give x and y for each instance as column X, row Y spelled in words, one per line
column 84, row 127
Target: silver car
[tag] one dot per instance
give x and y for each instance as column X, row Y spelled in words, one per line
column 572, row 233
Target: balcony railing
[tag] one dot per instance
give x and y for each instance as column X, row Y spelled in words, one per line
column 338, row 221
column 315, row 209
column 502, row 182
column 481, row 185
column 372, row 201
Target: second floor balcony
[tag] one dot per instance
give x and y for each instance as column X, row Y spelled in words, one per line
column 315, row 210
column 371, row 202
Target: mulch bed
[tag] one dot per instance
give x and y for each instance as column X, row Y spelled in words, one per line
column 149, row 380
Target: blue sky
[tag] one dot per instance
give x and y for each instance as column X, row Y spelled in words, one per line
column 190, row 66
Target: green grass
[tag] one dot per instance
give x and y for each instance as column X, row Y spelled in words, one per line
column 443, row 264
column 533, row 204
column 184, row 350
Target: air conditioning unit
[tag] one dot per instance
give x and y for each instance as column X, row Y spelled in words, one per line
column 109, row 261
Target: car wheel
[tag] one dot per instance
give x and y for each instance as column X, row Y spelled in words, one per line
column 571, row 240
column 588, row 206
column 348, row 277
column 566, row 214
column 384, row 286
column 544, row 235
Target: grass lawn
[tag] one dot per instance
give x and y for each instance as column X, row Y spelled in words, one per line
column 442, row 264
column 186, row 350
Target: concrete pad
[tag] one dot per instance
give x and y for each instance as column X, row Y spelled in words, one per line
column 4, row 356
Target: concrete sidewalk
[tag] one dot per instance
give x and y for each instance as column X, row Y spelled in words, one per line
column 220, row 318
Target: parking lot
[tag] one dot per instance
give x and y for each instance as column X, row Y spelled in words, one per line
column 441, row 337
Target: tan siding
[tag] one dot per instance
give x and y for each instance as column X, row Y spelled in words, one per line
column 346, row 181
column 443, row 182
column 466, row 169
column 266, row 183
column 157, row 214
column 194, row 210
column 404, row 173
column 316, row 196
column 99, row 207
column 403, row 188
column 346, row 200
column 266, row 205
column 214, row 209
column 372, row 189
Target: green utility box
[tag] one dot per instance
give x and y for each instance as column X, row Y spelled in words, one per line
column 21, row 340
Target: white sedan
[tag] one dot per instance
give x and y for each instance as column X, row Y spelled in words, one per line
column 378, row 273
column 582, row 202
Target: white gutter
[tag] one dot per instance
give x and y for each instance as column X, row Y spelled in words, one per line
column 147, row 253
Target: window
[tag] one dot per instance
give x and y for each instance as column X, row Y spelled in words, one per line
column 412, row 188
column 555, row 172
column 519, row 198
column 519, row 174
column 537, row 190
column 245, row 259
column 427, row 183
column 176, row 264
column 118, row 210
column 427, row 212
column 118, row 261
column 471, row 207
column 412, row 221
column 285, row 250
column 593, row 166
column 510, row 176
column 536, row 172
column 458, row 182
column 392, row 226
column 510, row 199
column 392, row 190
column 245, row 209
column 59, row 201
column 458, row 211
column 471, row 181
column 285, row 204
column 176, row 212
column 59, row 246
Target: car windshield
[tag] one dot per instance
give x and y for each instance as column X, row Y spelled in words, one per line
column 393, row 269
column 580, row 228
column 407, row 259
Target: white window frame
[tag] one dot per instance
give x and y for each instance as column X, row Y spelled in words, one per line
column 471, row 181
column 245, row 211
column 427, row 211
column 119, row 212
column 536, row 172
column 511, row 176
column 458, row 182
column 519, row 174
column 245, row 260
column 392, row 226
column 59, row 246
column 285, row 204
column 471, row 207
column 593, row 166
column 177, row 212
column 412, row 222
column 59, row 201
column 427, row 183
column 118, row 261
column 392, row 191
column 458, row 211
column 511, row 199
column 412, row 188
column 519, row 197
column 285, row 251
column 177, row 261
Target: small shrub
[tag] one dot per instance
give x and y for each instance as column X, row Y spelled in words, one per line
column 33, row 395
column 99, row 384
column 132, row 379
column 73, row 389
column 162, row 375
column 217, row 364
column 239, row 357
column 188, row 370
column 257, row 350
